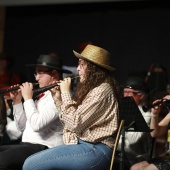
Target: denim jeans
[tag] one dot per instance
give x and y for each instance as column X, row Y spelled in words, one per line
column 83, row 156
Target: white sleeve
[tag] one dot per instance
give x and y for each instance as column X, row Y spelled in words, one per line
column 12, row 130
column 19, row 116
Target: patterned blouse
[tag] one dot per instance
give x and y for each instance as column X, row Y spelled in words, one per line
column 95, row 120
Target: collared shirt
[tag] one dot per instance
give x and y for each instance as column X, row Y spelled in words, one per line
column 39, row 121
column 95, row 120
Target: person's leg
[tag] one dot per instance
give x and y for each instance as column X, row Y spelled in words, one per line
column 13, row 156
column 83, row 156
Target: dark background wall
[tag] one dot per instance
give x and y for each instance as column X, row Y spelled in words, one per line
column 137, row 34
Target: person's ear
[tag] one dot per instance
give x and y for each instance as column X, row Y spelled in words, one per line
column 142, row 96
column 55, row 74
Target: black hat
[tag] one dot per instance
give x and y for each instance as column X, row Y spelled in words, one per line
column 136, row 83
column 51, row 62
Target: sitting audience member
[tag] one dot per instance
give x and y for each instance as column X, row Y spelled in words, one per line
column 3, row 120
column 90, row 120
column 12, row 134
column 8, row 78
column 39, row 120
column 136, row 144
column 159, row 128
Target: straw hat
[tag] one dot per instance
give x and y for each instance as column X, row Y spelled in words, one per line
column 96, row 55
column 51, row 62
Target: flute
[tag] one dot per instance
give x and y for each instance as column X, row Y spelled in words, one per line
column 13, row 89
column 148, row 107
column 43, row 89
column 38, row 90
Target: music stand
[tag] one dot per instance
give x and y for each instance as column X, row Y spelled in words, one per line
column 134, row 121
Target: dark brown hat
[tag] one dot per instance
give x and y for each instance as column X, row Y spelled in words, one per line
column 51, row 62
column 136, row 83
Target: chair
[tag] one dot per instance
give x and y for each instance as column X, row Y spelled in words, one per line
column 116, row 143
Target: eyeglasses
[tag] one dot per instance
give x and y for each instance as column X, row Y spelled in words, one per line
column 132, row 92
column 41, row 74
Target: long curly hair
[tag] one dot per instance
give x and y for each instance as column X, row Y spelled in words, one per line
column 95, row 75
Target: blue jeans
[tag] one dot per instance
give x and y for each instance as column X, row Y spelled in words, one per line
column 83, row 156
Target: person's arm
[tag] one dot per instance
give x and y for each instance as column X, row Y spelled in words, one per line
column 12, row 130
column 154, row 123
column 41, row 114
column 56, row 94
column 158, row 130
column 19, row 116
column 18, row 110
column 38, row 115
column 91, row 109
column 166, row 120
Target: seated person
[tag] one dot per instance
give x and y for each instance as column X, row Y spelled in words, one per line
column 137, row 144
column 7, row 79
column 160, row 128
column 3, row 120
column 12, row 134
column 39, row 119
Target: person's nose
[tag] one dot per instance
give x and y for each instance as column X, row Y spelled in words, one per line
column 37, row 78
column 78, row 68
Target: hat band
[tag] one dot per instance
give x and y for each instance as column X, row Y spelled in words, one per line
column 49, row 64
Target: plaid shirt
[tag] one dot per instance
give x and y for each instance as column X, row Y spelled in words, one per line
column 95, row 120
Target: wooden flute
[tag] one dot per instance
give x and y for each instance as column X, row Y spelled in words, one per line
column 43, row 89
column 38, row 90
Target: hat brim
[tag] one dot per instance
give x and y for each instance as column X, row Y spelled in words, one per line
column 101, row 65
column 144, row 89
column 59, row 69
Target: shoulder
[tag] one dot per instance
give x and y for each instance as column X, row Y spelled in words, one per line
column 46, row 97
column 102, row 90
